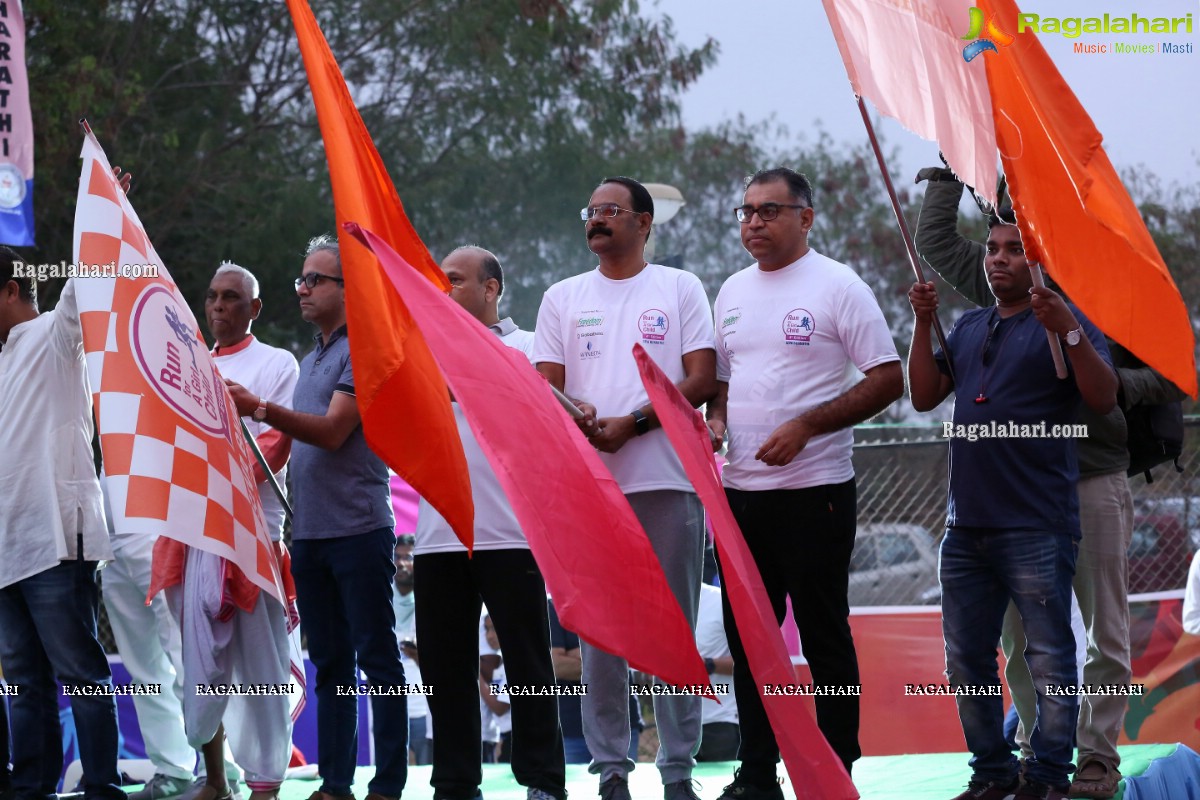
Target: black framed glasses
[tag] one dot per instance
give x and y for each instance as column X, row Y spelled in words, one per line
column 608, row 210
column 313, row 278
column 766, row 212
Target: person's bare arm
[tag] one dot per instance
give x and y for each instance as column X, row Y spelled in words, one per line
column 927, row 386
column 699, row 384
column 1095, row 378
column 717, row 413
column 328, row 431
column 881, row 386
column 568, row 665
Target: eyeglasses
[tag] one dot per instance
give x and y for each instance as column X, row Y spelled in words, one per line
column 766, row 212
column 313, row 278
column 606, row 210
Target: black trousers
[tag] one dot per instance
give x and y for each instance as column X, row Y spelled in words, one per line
column 801, row 540
column 449, row 590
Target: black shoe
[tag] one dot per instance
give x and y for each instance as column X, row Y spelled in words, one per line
column 742, row 789
column 990, row 790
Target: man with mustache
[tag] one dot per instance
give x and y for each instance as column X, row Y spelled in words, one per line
column 586, row 328
column 1012, row 522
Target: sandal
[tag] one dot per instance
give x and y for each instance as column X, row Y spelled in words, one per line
column 1095, row 778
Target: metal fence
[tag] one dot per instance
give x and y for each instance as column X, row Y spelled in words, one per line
column 902, row 507
column 901, row 473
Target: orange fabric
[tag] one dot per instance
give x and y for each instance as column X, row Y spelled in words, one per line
column 402, row 396
column 1075, row 214
column 167, row 567
column 276, row 449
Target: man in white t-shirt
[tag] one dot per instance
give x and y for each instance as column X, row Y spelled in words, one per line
column 586, row 329
column 793, row 332
column 450, row 587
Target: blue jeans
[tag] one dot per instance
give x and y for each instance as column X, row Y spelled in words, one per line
column 980, row 570
column 420, row 745
column 344, row 595
column 48, row 631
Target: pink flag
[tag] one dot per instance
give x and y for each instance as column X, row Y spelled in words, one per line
column 173, row 449
column 809, row 759
column 598, row 564
column 907, row 59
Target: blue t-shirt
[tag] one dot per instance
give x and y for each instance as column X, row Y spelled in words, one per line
column 344, row 492
column 1022, row 482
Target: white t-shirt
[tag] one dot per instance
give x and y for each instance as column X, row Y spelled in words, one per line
column 503, row 721
column 711, row 643
column 496, row 526
column 1191, row 598
column 589, row 324
column 787, row 341
column 271, row 373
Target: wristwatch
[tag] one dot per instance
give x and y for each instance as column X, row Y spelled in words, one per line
column 260, row 413
column 640, row 423
column 710, row 666
column 1073, row 337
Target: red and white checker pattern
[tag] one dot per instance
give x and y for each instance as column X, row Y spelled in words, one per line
column 166, row 475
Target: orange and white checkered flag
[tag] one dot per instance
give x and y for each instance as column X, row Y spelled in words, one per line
column 176, row 461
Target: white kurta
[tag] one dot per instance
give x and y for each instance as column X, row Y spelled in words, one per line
column 49, row 493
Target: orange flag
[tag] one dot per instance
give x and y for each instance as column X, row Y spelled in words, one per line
column 403, row 401
column 598, row 564
column 1075, row 214
column 809, row 759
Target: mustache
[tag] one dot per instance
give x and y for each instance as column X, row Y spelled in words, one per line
column 599, row 230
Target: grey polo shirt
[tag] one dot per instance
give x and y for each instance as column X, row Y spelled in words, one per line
column 344, row 492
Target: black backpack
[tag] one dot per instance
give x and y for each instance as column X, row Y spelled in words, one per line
column 1155, row 436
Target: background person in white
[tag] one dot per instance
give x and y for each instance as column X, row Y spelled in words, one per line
column 586, row 330
column 450, row 587
column 720, row 738
column 793, row 330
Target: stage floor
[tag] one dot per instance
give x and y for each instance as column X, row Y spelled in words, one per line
column 914, row 777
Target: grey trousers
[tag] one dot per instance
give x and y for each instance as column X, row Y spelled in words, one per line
column 1101, row 586
column 674, row 523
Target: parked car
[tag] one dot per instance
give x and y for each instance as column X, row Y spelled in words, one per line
column 893, row 564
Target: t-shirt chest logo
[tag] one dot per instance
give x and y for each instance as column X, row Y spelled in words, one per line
column 589, row 330
column 799, row 325
column 653, row 324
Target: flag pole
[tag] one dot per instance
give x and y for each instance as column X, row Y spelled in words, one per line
column 1056, row 353
column 904, row 232
column 262, row 462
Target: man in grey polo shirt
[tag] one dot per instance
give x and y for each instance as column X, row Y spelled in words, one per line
column 342, row 542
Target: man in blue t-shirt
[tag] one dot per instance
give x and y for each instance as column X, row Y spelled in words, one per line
column 1012, row 522
column 342, row 544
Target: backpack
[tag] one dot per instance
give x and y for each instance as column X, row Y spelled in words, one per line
column 1155, row 436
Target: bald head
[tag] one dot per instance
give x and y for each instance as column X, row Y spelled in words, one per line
column 476, row 282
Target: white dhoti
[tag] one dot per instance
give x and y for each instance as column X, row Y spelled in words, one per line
column 236, row 670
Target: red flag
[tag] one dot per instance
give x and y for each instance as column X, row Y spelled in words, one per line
column 176, row 462
column 598, row 564
column 401, row 396
column 809, row 759
column 906, row 58
column 1074, row 211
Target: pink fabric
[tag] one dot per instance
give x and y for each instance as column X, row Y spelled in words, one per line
column 598, row 564
column 810, row 761
column 405, row 502
column 906, row 58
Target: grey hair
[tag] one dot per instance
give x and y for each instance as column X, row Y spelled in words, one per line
column 324, row 243
column 249, row 282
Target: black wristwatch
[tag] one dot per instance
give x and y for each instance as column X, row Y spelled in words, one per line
column 710, row 666
column 640, row 423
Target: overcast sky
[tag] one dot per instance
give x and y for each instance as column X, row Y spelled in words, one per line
column 778, row 58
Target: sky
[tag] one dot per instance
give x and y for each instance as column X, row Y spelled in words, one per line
column 778, row 58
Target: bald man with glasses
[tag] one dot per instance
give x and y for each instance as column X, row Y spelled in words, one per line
column 790, row 329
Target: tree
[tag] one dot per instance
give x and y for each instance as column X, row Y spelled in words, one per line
column 491, row 117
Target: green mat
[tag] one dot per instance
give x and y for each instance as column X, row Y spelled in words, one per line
column 937, row 776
